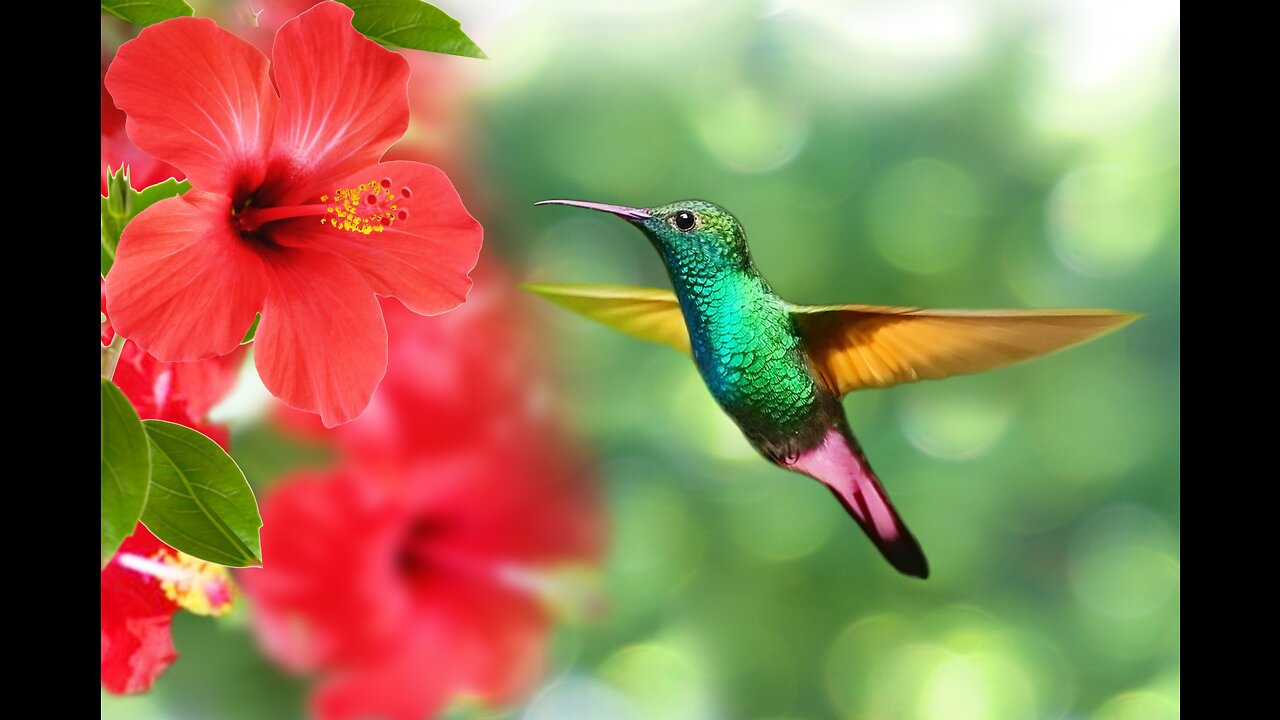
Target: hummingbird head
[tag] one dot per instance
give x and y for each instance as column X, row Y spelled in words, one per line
column 685, row 229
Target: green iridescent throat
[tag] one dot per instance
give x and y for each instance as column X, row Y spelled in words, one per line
column 743, row 337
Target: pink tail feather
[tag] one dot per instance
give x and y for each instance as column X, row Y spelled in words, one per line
column 839, row 464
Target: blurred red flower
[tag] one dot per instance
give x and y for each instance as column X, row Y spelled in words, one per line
column 423, row 566
column 291, row 213
column 406, row 595
column 178, row 392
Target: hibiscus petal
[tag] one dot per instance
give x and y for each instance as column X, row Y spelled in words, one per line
column 496, row 635
column 327, row 598
column 185, row 285
column 343, row 101
column 424, row 260
column 414, row 680
column 200, row 99
column 470, row 640
column 322, row 344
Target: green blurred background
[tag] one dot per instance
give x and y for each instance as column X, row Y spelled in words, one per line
column 985, row 153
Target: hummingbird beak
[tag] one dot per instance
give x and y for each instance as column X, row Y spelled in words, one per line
column 626, row 213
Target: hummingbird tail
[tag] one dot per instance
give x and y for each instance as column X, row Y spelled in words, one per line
column 839, row 464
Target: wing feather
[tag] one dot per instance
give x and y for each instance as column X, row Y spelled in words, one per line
column 870, row 346
column 647, row 313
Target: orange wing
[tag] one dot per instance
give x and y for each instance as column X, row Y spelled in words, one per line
column 647, row 313
column 870, row 346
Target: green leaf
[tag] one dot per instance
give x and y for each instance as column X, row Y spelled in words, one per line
column 253, row 330
column 146, row 12
column 126, row 469
column 412, row 24
column 200, row 502
column 122, row 203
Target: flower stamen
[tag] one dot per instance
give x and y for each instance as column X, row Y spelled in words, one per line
column 369, row 208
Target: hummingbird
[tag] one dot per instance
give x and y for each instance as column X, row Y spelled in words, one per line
column 780, row 370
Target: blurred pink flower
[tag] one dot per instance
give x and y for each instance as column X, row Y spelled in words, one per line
column 422, row 568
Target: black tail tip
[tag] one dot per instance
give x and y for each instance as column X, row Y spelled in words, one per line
column 906, row 557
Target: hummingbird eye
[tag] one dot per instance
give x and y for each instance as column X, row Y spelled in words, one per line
column 684, row 220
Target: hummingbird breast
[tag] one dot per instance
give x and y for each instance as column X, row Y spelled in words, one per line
column 747, row 349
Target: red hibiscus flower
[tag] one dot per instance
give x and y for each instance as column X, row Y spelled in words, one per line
column 143, row 586
column 291, row 214
column 407, row 594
